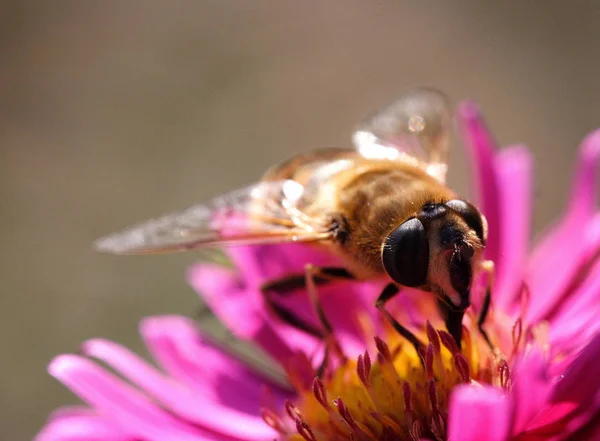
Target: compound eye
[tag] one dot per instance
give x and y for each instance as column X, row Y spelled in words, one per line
column 471, row 215
column 405, row 255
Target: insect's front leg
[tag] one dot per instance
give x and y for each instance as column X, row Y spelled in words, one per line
column 387, row 294
column 284, row 287
column 488, row 267
column 453, row 319
column 313, row 276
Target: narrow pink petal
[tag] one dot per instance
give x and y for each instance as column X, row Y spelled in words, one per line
column 176, row 344
column 81, row 428
column 585, row 297
column 574, row 333
column 581, row 381
column 241, row 309
column 583, row 198
column 72, row 411
column 514, row 167
column 575, row 399
column 556, row 259
column 261, row 263
column 478, row 413
column 481, row 147
column 228, row 297
column 193, row 405
column 231, row 298
column 576, row 320
column 588, row 432
column 531, row 388
column 127, row 407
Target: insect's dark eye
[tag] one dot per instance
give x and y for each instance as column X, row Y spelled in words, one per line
column 470, row 214
column 405, row 254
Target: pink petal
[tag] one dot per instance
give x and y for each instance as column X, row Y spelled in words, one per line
column 81, row 428
column 576, row 320
column 556, row 259
column 504, row 184
column 531, row 388
column 575, row 399
column 481, row 147
column 584, row 300
column 583, row 194
column 266, row 262
column 574, row 333
column 588, row 432
column 229, row 299
column 513, row 167
column 71, row 411
column 128, row 408
column 176, row 344
column 198, row 406
column 478, row 413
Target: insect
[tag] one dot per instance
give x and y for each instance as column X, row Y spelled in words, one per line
column 383, row 207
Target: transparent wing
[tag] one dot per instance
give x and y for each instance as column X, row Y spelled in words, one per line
column 265, row 212
column 416, row 127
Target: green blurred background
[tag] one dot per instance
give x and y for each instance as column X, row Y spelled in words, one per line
column 112, row 112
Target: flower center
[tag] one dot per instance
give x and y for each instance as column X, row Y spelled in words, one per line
column 401, row 394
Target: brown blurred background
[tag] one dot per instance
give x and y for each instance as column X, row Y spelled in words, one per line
column 112, row 112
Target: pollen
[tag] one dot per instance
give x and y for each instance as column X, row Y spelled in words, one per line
column 396, row 392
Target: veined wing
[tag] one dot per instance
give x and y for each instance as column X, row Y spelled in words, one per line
column 415, row 128
column 265, row 212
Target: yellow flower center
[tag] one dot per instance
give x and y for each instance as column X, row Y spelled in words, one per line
column 400, row 393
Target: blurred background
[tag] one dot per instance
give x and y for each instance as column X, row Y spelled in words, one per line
column 113, row 112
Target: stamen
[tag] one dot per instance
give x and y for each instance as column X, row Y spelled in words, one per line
column 273, row 420
column 433, row 396
column 383, row 349
column 433, row 337
column 462, row 366
column 448, row 342
column 305, row 431
column 408, row 411
column 438, row 427
column 345, row 413
column 388, row 423
column 292, row 411
column 363, row 368
column 320, row 393
column 367, row 359
column 416, row 431
column 429, row 361
column 516, row 334
column 524, row 298
column 361, row 430
column 407, row 396
column 402, row 395
column 504, row 372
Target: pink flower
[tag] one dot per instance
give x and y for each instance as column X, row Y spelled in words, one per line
column 542, row 381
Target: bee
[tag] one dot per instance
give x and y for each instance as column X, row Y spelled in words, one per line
column 382, row 207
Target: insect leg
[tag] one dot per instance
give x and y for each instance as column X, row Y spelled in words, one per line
column 487, row 266
column 287, row 285
column 312, row 277
column 388, row 292
column 286, row 315
column 331, row 343
column 453, row 319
